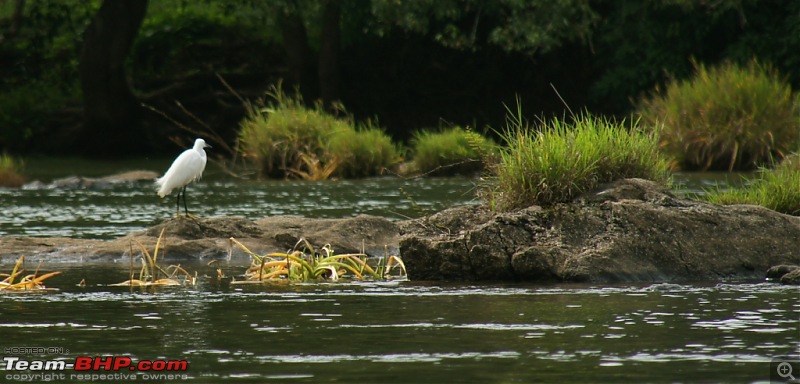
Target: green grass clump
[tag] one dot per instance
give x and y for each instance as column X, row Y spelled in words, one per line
column 10, row 172
column 727, row 117
column 275, row 137
column 451, row 152
column 288, row 139
column 562, row 160
column 777, row 189
column 364, row 151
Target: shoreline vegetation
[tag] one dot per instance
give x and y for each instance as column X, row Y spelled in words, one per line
column 726, row 117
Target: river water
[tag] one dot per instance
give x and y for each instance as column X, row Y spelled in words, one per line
column 372, row 332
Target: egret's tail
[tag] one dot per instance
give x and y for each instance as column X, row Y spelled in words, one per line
column 163, row 190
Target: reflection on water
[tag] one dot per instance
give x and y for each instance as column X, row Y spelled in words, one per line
column 406, row 332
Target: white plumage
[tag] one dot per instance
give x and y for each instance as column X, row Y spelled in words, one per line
column 187, row 167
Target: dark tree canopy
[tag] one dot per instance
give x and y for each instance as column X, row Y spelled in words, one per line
column 412, row 64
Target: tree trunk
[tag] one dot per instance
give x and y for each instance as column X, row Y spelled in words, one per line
column 298, row 53
column 16, row 18
column 112, row 114
column 329, row 52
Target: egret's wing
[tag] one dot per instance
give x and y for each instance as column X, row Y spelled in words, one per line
column 186, row 168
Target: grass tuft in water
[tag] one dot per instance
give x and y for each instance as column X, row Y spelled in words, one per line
column 10, row 171
column 32, row 283
column 451, row 152
column 726, row 117
column 285, row 138
column 560, row 160
column 304, row 263
column 150, row 272
column 777, row 189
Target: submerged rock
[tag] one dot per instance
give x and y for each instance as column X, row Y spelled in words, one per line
column 628, row 231
column 80, row 182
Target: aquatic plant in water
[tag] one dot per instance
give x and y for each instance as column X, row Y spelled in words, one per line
column 310, row 264
column 29, row 284
column 150, row 271
column 286, row 138
column 452, row 151
column 10, row 174
column 777, row 189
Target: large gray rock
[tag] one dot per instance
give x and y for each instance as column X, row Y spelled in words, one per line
column 628, row 231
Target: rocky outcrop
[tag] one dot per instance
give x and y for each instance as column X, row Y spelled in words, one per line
column 628, row 231
column 188, row 238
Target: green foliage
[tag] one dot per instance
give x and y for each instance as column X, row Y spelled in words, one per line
column 364, row 151
column 450, row 152
column 726, row 117
column 286, row 138
column 777, row 189
column 637, row 45
column 10, row 171
column 565, row 159
column 513, row 25
column 177, row 36
column 41, row 70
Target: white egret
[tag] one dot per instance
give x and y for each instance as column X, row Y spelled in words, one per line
column 187, row 167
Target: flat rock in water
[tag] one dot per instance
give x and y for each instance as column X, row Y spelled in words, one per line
column 80, row 182
column 187, row 238
column 628, row 231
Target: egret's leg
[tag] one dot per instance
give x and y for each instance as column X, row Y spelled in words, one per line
column 185, row 209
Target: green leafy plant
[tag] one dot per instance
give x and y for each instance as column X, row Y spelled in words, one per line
column 453, row 151
column 310, row 264
column 562, row 160
column 726, row 117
